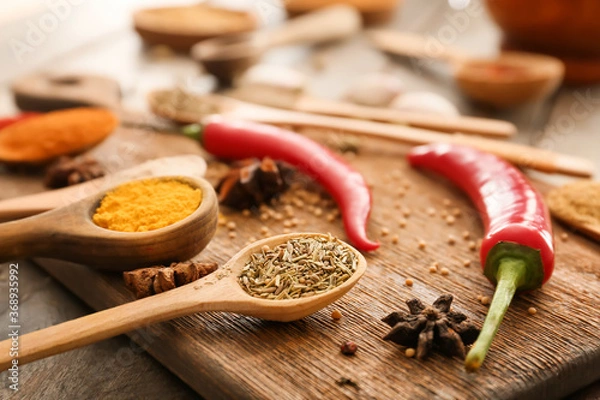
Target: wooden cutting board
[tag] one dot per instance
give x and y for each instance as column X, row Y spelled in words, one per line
column 224, row 356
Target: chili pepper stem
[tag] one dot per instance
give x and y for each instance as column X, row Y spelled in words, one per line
column 193, row 131
column 511, row 275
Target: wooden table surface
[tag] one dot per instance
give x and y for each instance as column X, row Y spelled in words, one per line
column 116, row 368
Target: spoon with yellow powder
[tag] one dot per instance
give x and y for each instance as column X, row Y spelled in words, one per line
column 138, row 223
column 26, row 206
column 232, row 288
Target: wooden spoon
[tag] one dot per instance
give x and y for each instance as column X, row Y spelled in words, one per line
column 182, row 107
column 219, row 291
column 465, row 124
column 511, row 79
column 25, row 206
column 228, row 56
column 578, row 205
column 68, row 233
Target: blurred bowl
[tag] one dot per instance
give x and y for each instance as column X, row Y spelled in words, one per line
column 372, row 11
column 567, row 29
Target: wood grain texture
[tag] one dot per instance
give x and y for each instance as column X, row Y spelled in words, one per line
column 221, row 355
column 114, row 369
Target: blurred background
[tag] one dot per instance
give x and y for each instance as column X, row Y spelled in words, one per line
column 97, row 36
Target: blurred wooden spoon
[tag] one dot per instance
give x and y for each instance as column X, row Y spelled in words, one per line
column 578, row 205
column 511, row 79
column 228, row 56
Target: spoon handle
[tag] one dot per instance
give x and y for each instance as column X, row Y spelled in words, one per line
column 116, row 321
column 522, row 155
column 413, row 45
column 25, row 206
column 22, row 238
column 331, row 23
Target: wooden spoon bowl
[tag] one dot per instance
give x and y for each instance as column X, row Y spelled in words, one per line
column 219, row 291
column 512, row 78
column 68, row 233
column 228, row 56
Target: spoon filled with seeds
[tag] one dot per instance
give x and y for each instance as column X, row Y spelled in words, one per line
column 281, row 278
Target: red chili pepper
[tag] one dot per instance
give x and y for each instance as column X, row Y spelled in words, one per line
column 517, row 252
column 6, row 121
column 240, row 139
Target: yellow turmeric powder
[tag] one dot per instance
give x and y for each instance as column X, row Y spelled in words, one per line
column 146, row 205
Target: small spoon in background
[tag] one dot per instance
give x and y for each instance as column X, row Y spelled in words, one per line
column 511, row 79
column 68, row 233
column 228, row 56
column 219, row 291
column 577, row 204
column 25, row 206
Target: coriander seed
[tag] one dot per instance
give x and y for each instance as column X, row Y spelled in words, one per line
column 444, row 271
column 336, row 314
column 532, row 311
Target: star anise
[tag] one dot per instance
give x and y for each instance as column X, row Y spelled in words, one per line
column 68, row 171
column 434, row 326
column 253, row 182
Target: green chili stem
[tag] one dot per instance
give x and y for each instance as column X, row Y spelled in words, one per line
column 193, row 131
column 511, row 273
